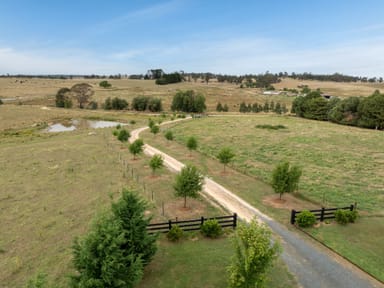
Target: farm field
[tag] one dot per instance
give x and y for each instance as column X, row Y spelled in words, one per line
column 43, row 91
column 52, row 185
column 341, row 165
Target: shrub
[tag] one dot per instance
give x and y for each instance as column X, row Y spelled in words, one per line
column 132, row 122
column 154, row 105
column 175, row 233
column 115, row 132
column 140, row 103
column 105, row 84
column 211, row 228
column 305, row 219
column 352, row 216
column 123, row 135
column 169, row 135
column 345, row 216
column 115, row 104
column 1, row 102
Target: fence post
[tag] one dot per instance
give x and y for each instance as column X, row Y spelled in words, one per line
column 202, row 220
column 293, row 216
column 351, row 208
column 322, row 214
column 170, row 224
column 234, row 220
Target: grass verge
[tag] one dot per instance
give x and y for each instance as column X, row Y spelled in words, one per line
column 200, row 262
column 336, row 172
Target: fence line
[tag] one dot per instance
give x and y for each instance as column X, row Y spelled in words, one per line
column 322, row 214
column 191, row 225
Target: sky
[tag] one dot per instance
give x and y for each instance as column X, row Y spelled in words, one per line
column 226, row 37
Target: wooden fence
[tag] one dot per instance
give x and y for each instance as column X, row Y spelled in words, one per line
column 321, row 214
column 191, row 225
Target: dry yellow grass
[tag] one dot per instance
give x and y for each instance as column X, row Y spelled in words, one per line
column 43, row 91
column 333, row 88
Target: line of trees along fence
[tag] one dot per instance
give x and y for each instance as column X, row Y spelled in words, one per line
column 191, row 225
column 322, row 214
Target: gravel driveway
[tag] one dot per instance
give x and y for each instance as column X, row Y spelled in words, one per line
column 313, row 265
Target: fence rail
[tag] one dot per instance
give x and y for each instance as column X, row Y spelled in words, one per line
column 321, row 214
column 191, row 225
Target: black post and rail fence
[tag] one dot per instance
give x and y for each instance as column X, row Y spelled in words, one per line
column 322, row 214
column 192, row 225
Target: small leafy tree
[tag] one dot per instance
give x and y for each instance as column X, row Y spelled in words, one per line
column 156, row 163
column 285, row 179
column 254, row 255
column 191, row 143
column 169, row 135
column 136, row 147
column 155, row 129
column 123, row 135
column 225, row 156
column 151, row 123
column 105, row 84
column 188, row 183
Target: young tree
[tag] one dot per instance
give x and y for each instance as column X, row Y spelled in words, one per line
column 285, row 178
column 219, row 107
column 156, row 162
column 151, row 123
column 225, row 156
column 191, row 144
column 82, row 92
column 136, row 147
column 118, row 246
column 105, row 84
column 155, row 129
column 254, row 255
column 123, row 135
column 188, row 183
column 169, row 135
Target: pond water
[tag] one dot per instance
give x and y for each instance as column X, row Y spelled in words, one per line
column 77, row 124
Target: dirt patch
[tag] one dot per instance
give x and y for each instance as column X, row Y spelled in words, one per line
column 195, row 209
column 288, row 202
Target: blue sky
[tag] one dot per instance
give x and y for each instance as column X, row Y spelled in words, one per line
column 231, row 37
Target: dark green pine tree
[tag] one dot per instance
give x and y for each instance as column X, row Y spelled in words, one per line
column 118, row 246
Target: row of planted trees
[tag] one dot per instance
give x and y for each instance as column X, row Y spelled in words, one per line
column 118, row 246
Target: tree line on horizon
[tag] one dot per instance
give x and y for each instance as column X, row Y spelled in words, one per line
column 207, row 76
